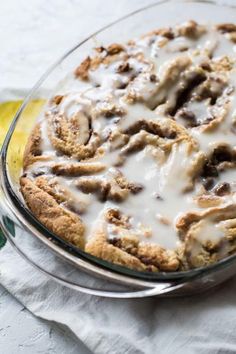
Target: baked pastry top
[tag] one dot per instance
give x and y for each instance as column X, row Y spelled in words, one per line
column 133, row 160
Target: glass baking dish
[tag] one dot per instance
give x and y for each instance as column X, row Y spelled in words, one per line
column 55, row 257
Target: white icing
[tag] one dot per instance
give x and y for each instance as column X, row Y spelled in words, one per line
column 165, row 175
column 210, row 231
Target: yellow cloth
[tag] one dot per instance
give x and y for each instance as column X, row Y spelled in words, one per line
column 21, row 133
column 7, row 113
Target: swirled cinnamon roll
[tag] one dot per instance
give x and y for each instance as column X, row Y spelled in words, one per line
column 136, row 163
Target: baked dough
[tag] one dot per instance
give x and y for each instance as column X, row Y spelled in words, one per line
column 133, row 160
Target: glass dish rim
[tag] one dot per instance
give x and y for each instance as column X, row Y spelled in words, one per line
column 33, row 221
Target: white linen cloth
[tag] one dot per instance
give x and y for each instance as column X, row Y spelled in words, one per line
column 32, row 35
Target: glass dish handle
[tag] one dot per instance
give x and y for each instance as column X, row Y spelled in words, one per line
column 14, row 232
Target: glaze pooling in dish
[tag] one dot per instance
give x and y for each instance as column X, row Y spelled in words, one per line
column 136, row 164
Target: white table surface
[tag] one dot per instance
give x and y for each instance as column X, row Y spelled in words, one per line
column 21, row 332
column 33, row 34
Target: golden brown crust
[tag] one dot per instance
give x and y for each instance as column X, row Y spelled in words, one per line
column 82, row 70
column 127, row 251
column 72, row 137
column 201, row 252
column 112, row 50
column 33, row 147
column 154, row 255
column 78, row 169
column 191, row 29
column 226, row 27
column 99, row 247
column 57, row 219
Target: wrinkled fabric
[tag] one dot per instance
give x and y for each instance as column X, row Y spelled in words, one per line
column 204, row 323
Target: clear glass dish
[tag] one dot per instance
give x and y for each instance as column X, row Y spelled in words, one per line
column 58, row 259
